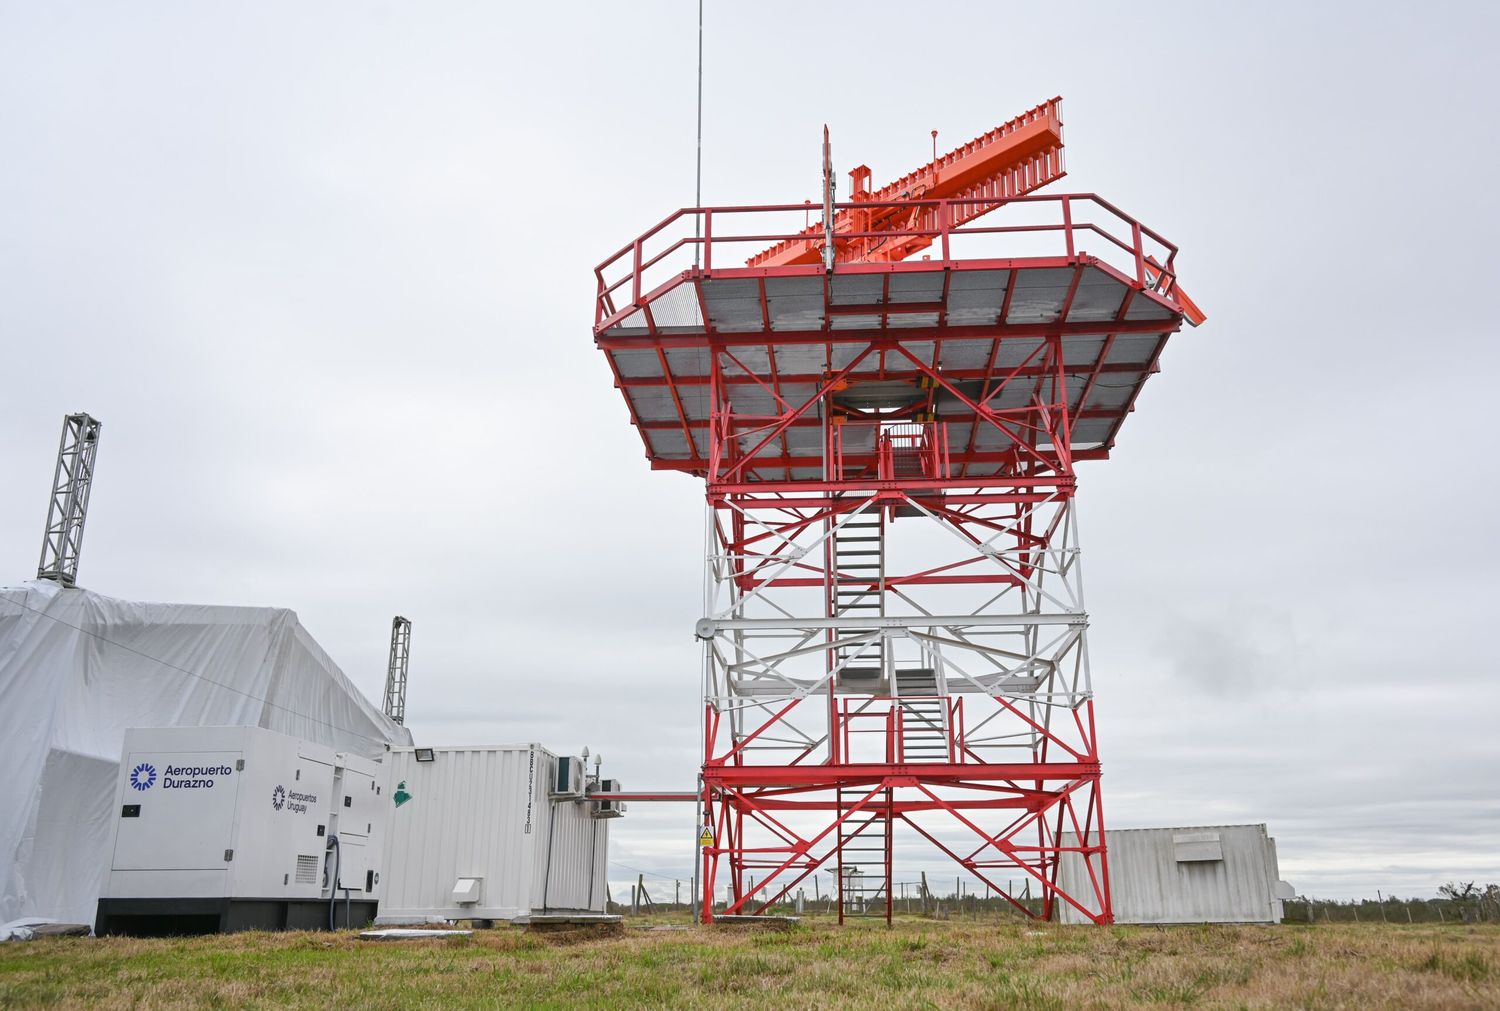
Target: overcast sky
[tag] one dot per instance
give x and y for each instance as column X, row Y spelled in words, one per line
column 324, row 271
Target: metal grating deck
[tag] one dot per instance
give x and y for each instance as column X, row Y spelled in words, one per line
column 977, row 322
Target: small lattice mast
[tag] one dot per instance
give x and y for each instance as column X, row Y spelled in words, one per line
column 69, row 505
column 395, row 676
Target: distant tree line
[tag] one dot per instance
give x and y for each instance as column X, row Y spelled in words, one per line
column 1456, row 902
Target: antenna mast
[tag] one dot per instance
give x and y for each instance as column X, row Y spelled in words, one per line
column 69, row 504
column 828, row 188
column 395, row 677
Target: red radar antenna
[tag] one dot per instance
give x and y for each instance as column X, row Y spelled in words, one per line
column 894, row 635
column 1011, row 160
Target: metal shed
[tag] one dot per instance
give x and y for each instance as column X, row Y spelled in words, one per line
column 490, row 833
column 1204, row 874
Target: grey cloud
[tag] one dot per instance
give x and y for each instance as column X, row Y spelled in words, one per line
column 327, row 277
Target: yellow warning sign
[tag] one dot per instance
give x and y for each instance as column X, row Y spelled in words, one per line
column 706, row 837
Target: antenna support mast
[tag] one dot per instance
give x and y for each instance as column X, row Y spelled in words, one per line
column 69, row 505
column 395, row 677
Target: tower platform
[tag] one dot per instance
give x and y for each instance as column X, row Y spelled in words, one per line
column 980, row 322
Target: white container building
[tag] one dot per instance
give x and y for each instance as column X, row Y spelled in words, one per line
column 1206, row 874
column 493, row 833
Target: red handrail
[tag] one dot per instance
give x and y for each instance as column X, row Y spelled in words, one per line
column 1152, row 268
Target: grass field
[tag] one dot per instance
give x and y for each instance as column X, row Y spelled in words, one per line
column 917, row 963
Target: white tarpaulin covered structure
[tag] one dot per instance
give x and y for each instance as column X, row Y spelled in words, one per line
column 78, row 668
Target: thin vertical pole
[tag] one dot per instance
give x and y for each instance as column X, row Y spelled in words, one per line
column 698, row 180
column 889, row 826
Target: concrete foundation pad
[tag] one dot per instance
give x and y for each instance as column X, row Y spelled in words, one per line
column 411, row 921
column 598, row 922
column 567, row 919
column 764, row 922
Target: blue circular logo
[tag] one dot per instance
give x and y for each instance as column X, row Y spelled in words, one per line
column 278, row 798
column 142, row 776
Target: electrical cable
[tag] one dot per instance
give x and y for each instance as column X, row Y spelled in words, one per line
column 649, row 874
column 333, row 888
column 594, row 862
column 547, row 873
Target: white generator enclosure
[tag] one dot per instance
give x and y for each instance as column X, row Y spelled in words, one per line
column 493, row 833
column 1206, row 874
column 237, row 828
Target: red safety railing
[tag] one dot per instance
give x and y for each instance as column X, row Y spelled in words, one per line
column 899, row 450
column 886, row 712
column 718, row 239
column 914, row 449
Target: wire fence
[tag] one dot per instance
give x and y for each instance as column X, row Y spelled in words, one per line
column 916, row 899
column 1389, row 909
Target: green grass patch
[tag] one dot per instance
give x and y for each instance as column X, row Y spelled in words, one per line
column 915, row 964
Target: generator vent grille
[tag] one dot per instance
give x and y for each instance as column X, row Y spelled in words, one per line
column 307, row 870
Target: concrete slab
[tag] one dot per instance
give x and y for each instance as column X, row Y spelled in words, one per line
column 764, row 922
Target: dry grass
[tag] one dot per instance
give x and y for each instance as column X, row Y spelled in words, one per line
column 915, row 964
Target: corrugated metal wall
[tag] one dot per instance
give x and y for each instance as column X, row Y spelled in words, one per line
column 569, row 875
column 472, row 812
column 1206, row 874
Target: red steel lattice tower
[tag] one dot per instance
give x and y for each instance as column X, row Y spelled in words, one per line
column 894, row 629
